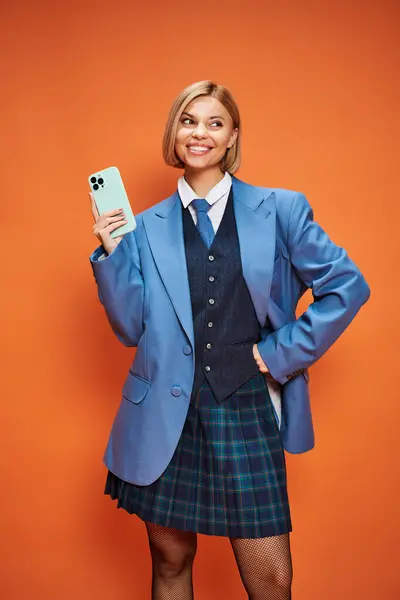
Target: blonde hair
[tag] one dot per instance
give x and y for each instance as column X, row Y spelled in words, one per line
column 233, row 156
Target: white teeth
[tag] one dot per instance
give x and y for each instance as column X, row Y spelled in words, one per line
column 199, row 148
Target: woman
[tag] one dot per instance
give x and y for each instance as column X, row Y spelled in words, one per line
column 207, row 288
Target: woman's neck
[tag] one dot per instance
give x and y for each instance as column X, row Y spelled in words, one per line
column 203, row 181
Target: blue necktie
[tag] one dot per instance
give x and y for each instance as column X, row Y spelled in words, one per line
column 204, row 224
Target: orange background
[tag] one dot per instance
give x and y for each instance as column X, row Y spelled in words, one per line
column 88, row 84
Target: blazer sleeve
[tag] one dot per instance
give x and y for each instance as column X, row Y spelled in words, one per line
column 120, row 288
column 338, row 287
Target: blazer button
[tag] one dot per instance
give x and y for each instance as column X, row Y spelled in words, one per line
column 176, row 391
column 187, row 350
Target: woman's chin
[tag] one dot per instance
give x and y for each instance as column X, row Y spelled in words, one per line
column 200, row 163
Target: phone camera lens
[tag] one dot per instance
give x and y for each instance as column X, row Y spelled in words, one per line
column 93, row 180
column 100, row 180
column 95, row 186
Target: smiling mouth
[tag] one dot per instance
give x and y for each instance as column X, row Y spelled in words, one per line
column 195, row 149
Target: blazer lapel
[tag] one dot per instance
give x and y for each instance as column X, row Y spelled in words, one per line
column 165, row 235
column 255, row 212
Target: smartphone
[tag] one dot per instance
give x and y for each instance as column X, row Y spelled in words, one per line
column 109, row 194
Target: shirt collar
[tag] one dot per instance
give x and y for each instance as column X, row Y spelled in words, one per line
column 187, row 194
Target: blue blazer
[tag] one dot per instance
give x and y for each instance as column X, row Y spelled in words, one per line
column 143, row 286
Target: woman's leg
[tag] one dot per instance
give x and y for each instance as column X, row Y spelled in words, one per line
column 265, row 566
column 172, row 552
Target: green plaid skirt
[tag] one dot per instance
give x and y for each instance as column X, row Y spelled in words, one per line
column 227, row 476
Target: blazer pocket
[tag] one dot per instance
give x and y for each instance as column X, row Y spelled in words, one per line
column 135, row 388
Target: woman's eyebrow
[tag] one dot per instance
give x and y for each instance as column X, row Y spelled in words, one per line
column 193, row 117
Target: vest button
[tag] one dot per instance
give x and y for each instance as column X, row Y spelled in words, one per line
column 187, row 350
column 211, row 278
column 211, row 301
column 211, row 258
column 210, row 323
column 208, row 346
column 207, row 368
column 176, row 391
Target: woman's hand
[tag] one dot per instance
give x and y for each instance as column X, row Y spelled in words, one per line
column 105, row 224
column 261, row 364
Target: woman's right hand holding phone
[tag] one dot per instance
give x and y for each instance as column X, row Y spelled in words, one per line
column 105, row 224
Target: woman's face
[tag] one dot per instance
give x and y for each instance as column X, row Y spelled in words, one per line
column 205, row 130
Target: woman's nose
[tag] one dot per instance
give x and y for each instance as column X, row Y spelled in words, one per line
column 200, row 131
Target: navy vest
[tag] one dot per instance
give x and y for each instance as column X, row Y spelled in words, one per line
column 224, row 319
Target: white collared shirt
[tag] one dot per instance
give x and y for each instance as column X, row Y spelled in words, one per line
column 217, row 198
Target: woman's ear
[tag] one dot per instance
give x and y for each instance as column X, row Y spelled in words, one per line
column 233, row 138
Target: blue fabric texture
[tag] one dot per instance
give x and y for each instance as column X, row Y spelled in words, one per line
column 204, row 224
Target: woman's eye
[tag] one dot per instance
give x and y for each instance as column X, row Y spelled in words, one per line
column 189, row 121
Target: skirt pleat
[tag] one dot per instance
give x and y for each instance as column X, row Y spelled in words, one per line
column 227, row 476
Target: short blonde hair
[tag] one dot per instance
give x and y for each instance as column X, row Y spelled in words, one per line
column 233, row 155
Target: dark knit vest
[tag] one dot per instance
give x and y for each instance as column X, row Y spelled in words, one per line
column 224, row 319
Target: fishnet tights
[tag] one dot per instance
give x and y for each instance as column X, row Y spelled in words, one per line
column 265, row 564
column 172, row 553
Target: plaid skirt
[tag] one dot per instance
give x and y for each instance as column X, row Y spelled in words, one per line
column 227, row 476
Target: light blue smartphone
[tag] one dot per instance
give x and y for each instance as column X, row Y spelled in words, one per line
column 109, row 193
